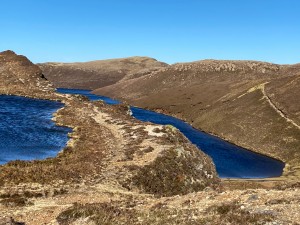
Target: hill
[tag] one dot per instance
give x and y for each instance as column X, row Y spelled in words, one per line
column 18, row 74
column 252, row 104
column 100, row 73
column 117, row 170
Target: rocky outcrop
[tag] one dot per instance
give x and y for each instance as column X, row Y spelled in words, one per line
column 19, row 75
column 180, row 169
column 228, row 66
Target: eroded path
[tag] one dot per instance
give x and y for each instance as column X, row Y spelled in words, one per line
column 261, row 87
column 278, row 110
column 135, row 143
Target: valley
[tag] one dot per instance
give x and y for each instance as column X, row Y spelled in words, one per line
column 116, row 169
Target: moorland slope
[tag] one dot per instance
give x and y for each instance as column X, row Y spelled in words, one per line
column 99, row 73
column 117, row 170
column 252, row 104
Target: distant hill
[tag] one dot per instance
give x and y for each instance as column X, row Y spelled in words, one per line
column 100, row 73
column 253, row 104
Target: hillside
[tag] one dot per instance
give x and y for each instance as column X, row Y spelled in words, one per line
column 99, row 158
column 252, row 104
column 117, row 170
column 285, row 94
column 100, row 73
column 17, row 73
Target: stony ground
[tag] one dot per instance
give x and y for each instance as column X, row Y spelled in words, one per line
column 109, row 204
column 116, row 170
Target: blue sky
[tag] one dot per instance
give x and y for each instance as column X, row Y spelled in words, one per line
column 168, row 30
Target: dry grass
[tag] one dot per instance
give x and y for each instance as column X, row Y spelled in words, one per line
column 118, row 214
column 15, row 201
column 176, row 171
column 232, row 213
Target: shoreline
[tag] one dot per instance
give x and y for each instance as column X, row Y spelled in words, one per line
column 214, row 135
column 59, row 97
column 54, row 116
column 164, row 112
column 167, row 113
column 224, row 139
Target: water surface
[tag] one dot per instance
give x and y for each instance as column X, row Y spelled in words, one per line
column 27, row 131
column 231, row 161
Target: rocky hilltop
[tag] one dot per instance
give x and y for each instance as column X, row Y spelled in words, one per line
column 17, row 73
column 100, row 73
column 117, row 170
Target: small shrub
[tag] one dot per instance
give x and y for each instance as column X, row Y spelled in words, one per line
column 15, row 201
column 231, row 213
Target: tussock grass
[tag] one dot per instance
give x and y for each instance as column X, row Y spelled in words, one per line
column 232, row 213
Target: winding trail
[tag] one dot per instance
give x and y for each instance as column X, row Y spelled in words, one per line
column 262, row 88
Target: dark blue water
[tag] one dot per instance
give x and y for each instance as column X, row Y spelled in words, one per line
column 27, row 131
column 231, row 161
column 88, row 94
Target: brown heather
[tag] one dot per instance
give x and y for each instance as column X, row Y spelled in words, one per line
column 117, row 170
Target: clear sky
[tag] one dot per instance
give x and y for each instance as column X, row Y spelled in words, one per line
column 168, row 30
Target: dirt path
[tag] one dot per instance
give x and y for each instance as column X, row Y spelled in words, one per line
column 276, row 109
column 262, row 88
